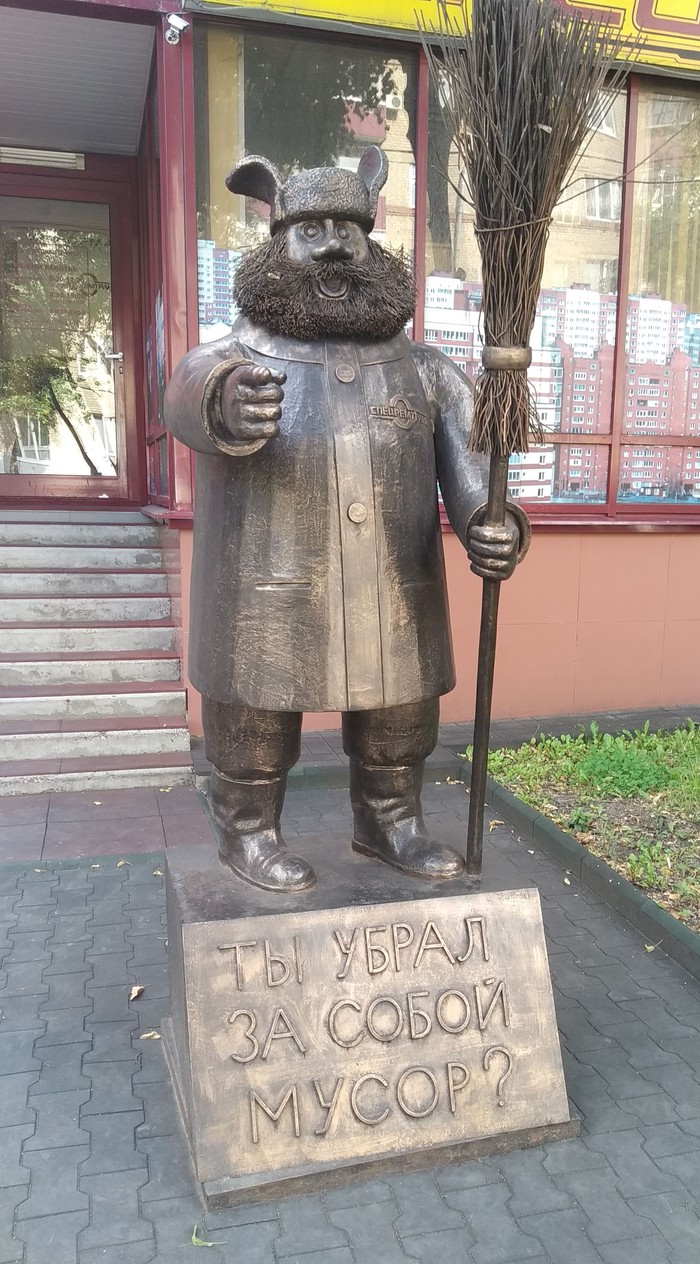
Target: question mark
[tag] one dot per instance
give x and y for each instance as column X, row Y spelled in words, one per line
column 488, row 1058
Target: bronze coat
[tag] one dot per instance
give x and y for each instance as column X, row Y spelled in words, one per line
column 318, row 575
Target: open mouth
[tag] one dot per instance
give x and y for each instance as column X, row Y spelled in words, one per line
column 332, row 287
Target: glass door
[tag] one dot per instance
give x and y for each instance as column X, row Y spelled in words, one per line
column 62, row 379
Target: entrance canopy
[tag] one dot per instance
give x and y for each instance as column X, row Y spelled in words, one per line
column 72, row 83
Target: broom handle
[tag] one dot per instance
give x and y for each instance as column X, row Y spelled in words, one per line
column 495, row 517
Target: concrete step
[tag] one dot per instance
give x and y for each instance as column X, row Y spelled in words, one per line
column 33, row 557
column 51, row 639
column 100, row 516
column 77, row 582
column 107, row 703
column 73, row 670
column 109, row 773
column 81, row 610
column 83, row 739
column 118, row 534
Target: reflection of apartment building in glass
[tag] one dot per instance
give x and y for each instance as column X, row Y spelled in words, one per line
column 215, row 271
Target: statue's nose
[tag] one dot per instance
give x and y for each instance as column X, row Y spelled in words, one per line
column 334, row 248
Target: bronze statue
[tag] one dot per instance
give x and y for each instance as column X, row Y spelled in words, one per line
column 318, row 581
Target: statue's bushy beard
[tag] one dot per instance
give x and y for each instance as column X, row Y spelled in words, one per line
column 274, row 291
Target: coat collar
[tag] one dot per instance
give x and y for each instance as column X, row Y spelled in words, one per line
column 278, row 347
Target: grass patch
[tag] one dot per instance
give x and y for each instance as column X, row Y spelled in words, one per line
column 633, row 800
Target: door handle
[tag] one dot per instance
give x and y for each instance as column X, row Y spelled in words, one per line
column 119, row 357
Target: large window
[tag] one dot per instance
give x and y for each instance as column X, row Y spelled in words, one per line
column 597, row 400
column 302, row 103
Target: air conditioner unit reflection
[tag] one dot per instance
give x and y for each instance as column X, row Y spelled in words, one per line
column 394, row 101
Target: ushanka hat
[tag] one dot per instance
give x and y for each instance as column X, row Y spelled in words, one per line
column 319, row 193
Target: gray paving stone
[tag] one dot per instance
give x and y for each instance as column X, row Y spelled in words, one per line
column 450, row 1246
column 114, row 1214
column 600, row 1112
column 125, row 1253
column 109, row 939
column 254, row 1213
column 21, row 1013
column 112, row 1143
column 677, row 1220
column 610, row 1216
column 532, row 1189
column 68, row 958
column 108, row 912
column 111, row 1042
column 659, row 1108
column 498, row 1239
column 687, row 1049
column 24, row 978
column 110, row 1004
column 109, row 968
column 570, row 1156
column 371, row 1233
column 153, row 1065
column 579, row 1032
column 652, row 1250
column 636, row 1173
column 61, row 1068
column 174, row 1220
column 70, row 928
column 147, row 922
column 28, row 946
column 65, row 991
column 357, row 1194
column 469, row 1175
column 154, row 978
column 663, row 1139
column 248, row 1244
column 11, row 1141
column 306, row 1226
column 57, row 1121
column 622, row 1080
column 17, row 1052
column 169, row 1170
column 11, row 1251
column 161, row 1117
column 54, row 1182
column 112, row 1089
column 14, row 1108
column 656, row 1016
column 64, row 1027
column 52, row 1239
column 680, row 1083
column 420, row 1204
column 563, row 1236
column 340, row 1255
column 686, row 1167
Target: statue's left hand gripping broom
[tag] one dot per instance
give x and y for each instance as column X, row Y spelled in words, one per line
column 522, row 88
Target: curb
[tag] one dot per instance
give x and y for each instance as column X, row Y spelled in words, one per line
column 657, row 926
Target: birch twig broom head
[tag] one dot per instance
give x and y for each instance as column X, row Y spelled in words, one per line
column 522, row 89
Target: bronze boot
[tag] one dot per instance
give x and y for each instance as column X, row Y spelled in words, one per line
column 389, row 823
column 247, row 813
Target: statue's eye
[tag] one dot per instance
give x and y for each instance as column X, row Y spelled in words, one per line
column 343, row 231
column 311, row 230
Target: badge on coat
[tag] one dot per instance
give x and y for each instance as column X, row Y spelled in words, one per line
column 399, row 411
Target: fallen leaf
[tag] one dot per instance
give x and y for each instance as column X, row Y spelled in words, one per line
column 495, row 824
column 544, row 127
column 40, row 871
column 136, row 990
column 121, row 863
column 651, row 947
column 157, row 873
column 567, row 882
column 97, row 803
column 166, row 790
column 530, row 851
column 201, row 1242
column 150, row 1035
column 94, row 866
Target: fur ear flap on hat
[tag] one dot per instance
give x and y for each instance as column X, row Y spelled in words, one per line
column 255, row 177
column 373, row 171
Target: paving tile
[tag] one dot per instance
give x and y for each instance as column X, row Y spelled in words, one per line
column 14, row 1108
column 340, row 1255
column 563, row 1236
column 653, row 1250
column 570, row 1156
column 108, row 837
column 111, row 1042
column 64, row 1027
column 114, row 1215
column 420, row 1203
column 676, row 1218
column 52, row 1238
column 23, row 979
column 306, row 1226
column 161, row 1116
column 663, row 1139
column 610, row 1216
column 61, row 1069
column 254, row 1213
column 21, row 842
column 250, row 1243
column 169, row 1169
column 371, row 1234
column 174, row 1219
column 125, row 1253
column 641, row 1049
column 54, row 1182
column 112, row 1089
column 65, row 991
column 109, row 969
column 110, row 1003
column 622, row 1080
column 17, row 1052
column 655, row 1015
column 498, row 1239
column 450, row 1246
column 25, row 809
column 686, row 1167
column 186, row 831
column 112, row 1143
column 636, row 1173
column 688, row 1050
column 11, row 1251
column 108, row 912
column 69, row 928
column 357, row 1195
column 11, row 1141
column 87, row 805
column 680, row 1083
column 109, row 940
column 470, row 1175
column 21, row 1013
column 68, row 958
column 57, row 1121
column 658, row 1108
column 532, row 1189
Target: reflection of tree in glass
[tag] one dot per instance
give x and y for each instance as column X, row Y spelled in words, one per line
column 666, row 242
column 55, row 328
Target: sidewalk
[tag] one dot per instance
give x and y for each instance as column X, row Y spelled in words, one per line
column 92, row 1164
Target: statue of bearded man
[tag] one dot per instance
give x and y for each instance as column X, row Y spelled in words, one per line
column 318, row 580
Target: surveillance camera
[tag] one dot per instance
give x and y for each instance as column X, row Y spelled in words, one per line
column 177, row 22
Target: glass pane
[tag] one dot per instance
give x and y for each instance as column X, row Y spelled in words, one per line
column 574, row 333
column 669, row 474
column 663, row 306
column 559, row 473
column 301, row 104
column 57, row 409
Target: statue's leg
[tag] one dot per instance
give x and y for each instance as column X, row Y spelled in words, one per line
column 387, row 750
column 252, row 752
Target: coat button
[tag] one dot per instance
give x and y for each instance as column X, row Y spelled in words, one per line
column 345, row 373
column 357, row 512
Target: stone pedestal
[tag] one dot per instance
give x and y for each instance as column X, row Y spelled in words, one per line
column 375, row 1023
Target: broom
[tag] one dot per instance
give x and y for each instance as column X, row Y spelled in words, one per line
column 521, row 88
